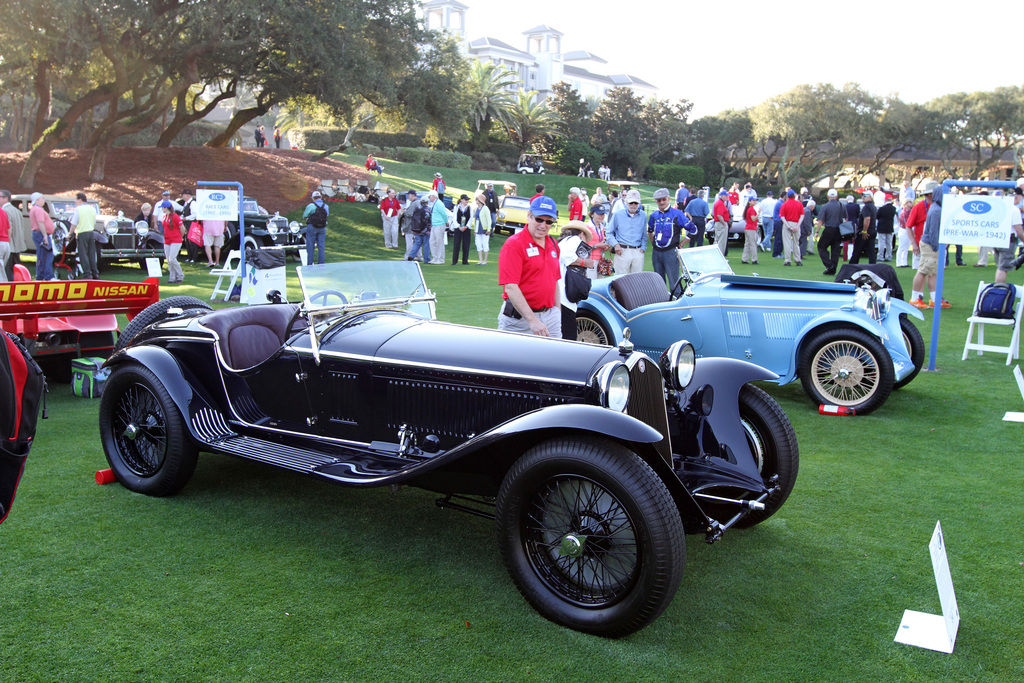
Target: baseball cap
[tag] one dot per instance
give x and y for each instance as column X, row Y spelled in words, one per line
column 316, row 194
column 661, row 194
column 723, row 193
column 166, row 193
column 929, row 188
column 186, row 191
column 790, row 193
column 35, row 197
column 598, row 209
column 769, row 194
column 633, row 196
column 544, row 206
column 465, row 196
column 832, row 194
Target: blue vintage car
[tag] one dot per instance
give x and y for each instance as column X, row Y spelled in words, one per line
column 850, row 346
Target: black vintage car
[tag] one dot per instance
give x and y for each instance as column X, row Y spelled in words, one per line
column 593, row 461
column 264, row 230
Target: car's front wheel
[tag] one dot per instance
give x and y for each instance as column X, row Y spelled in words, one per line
column 590, row 330
column 590, row 535
column 773, row 444
column 915, row 342
column 143, row 434
column 846, row 367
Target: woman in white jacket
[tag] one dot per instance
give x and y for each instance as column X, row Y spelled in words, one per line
column 480, row 224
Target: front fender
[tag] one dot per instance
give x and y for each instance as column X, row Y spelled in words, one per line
column 178, row 381
column 897, row 306
column 600, row 305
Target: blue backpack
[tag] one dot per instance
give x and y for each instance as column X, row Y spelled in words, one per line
column 996, row 301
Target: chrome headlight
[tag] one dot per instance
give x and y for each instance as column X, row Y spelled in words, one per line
column 612, row 381
column 110, row 227
column 141, row 228
column 272, row 228
column 294, row 227
column 501, row 214
column 883, row 301
column 677, row 364
column 873, row 304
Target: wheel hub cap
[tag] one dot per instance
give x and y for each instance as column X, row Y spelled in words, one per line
column 572, row 545
column 847, row 372
column 131, row 431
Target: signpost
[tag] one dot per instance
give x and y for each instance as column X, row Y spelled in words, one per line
column 933, row 631
column 223, row 205
column 973, row 220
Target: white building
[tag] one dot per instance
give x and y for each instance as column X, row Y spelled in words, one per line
column 542, row 63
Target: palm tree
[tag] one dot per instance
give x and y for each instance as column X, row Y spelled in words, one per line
column 531, row 119
column 490, row 99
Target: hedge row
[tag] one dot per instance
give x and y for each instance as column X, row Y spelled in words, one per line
column 673, row 174
column 429, row 157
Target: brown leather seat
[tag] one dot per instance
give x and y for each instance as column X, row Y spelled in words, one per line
column 249, row 335
column 639, row 289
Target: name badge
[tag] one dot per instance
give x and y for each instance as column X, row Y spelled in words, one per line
column 532, row 251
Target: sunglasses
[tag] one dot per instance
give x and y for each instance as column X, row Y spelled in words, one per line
column 545, row 221
column 634, row 203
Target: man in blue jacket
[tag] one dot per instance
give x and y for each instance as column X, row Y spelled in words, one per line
column 315, row 215
column 668, row 229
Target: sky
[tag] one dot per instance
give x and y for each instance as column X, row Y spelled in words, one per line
column 760, row 52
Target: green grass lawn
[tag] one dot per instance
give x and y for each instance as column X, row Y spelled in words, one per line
column 255, row 574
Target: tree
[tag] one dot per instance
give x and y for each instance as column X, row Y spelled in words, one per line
column 531, row 119
column 489, row 99
column 721, row 143
column 573, row 113
column 818, row 127
column 634, row 133
column 980, row 127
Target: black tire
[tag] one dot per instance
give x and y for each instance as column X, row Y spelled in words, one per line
column 252, row 243
column 154, row 312
column 773, row 442
column 915, row 342
column 143, row 434
column 847, row 367
column 590, row 535
column 591, row 330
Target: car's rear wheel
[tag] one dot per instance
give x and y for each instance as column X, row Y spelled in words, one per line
column 590, row 330
column 590, row 535
column 143, row 434
column 154, row 312
column 915, row 342
column 846, row 367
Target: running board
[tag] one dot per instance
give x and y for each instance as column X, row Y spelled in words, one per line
column 279, row 455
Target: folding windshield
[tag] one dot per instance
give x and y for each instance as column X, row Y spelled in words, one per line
column 701, row 261
column 332, row 290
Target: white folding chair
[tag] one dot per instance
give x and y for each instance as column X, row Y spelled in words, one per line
column 1012, row 349
column 325, row 187
column 230, row 270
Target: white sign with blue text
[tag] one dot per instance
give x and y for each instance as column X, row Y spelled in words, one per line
column 976, row 220
column 217, row 205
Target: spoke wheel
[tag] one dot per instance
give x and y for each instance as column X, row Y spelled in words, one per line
column 590, row 535
column 581, row 541
column 589, row 330
column 847, row 367
column 143, row 434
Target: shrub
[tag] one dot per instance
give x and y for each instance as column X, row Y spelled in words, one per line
column 673, row 174
column 568, row 154
column 382, row 139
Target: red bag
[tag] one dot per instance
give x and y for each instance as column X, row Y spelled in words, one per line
column 195, row 233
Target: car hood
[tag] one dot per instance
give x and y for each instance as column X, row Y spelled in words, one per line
column 408, row 340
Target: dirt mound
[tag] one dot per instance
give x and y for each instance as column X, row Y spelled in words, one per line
column 280, row 179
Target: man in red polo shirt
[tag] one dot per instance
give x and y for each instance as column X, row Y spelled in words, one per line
column 915, row 221
column 722, row 217
column 529, row 271
column 792, row 213
column 575, row 204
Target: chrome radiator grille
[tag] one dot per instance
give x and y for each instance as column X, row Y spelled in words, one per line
column 647, row 399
